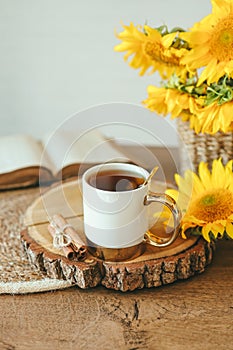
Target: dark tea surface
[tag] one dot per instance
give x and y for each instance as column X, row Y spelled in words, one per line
column 116, row 181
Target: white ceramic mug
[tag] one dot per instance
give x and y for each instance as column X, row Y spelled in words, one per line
column 116, row 222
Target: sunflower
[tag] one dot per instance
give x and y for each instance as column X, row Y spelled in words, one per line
column 206, row 200
column 211, row 41
column 164, row 101
column 150, row 49
column 205, row 112
column 213, row 118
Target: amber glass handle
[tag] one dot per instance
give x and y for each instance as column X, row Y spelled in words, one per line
column 172, row 206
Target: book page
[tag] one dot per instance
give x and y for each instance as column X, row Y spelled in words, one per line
column 19, row 152
column 90, row 147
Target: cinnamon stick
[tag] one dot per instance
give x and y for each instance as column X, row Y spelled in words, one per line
column 67, row 250
column 77, row 244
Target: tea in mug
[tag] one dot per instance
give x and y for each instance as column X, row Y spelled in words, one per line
column 116, row 181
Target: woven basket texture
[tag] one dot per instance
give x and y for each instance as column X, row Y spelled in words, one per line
column 202, row 147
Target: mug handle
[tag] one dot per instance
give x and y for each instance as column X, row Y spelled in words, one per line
column 169, row 202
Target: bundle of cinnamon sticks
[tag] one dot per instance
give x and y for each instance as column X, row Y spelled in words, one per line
column 65, row 237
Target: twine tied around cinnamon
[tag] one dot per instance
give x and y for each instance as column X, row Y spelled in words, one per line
column 65, row 237
column 60, row 238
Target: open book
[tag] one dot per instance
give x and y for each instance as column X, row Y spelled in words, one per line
column 25, row 161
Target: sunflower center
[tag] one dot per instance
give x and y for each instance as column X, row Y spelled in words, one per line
column 156, row 52
column 221, row 44
column 209, row 199
column 217, row 205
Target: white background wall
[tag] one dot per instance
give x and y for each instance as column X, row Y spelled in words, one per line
column 57, row 58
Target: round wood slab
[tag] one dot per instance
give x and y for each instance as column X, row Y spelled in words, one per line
column 155, row 267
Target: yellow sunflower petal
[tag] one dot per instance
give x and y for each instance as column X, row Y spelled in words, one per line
column 229, row 229
column 218, row 174
column 204, row 174
column 185, row 226
column 133, row 40
column 229, row 175
column 183, row 235
column 152, row 33
column 197, row 183
column 168, row 39
column 150, row 50
column 210, row 206
column 192, row 58
column 185, row 183
column 208, row 71
column 173, row 193
column 229, row 68
column 196, row 37
column 214, row 118
column 206, row 232
column 193, row 220
column 226, row 116
column 217, row 228
column 211, row 41
column 214, row 233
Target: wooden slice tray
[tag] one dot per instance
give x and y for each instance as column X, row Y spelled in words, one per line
column 155, row 267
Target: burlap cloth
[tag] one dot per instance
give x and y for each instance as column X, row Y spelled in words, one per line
column 17, row 275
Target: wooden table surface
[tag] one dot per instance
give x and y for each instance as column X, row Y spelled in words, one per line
column 192, row 314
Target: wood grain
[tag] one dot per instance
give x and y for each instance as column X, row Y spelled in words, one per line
column 193, row 314
column 155, row 267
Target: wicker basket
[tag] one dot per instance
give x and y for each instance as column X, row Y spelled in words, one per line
column 202, row 147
